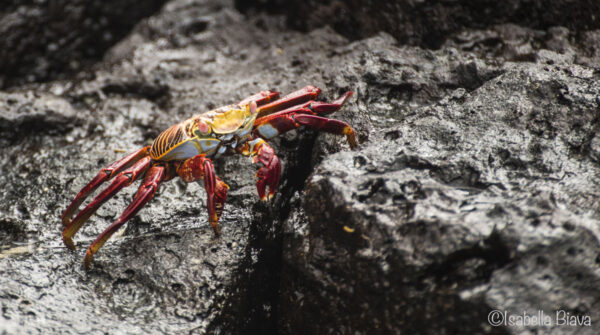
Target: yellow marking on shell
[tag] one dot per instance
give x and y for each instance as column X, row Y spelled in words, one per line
column 181, row 151
column 166, row 141
column 228, row 121
column 207, row 144
column 348, row 229
column 243, row 133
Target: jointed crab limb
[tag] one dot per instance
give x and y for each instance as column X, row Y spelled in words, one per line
column 124, row 179
column 305, row 94
column 325, row 108
column 305, row 114
column 328, row 125
column 153, row 178
column 220, row 198
column 209, row 184
column 270, row 173
column 200, row 167
column 104, row 175
column 260, row 98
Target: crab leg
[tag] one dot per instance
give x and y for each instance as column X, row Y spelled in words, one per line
column 153, row 178
column 124, row 179
column 105, row 174
column 306, row 114
column 260, row 98
column 197, row 168
column 268, row 175
column 302, row 95
column 328, row 125
column 219, row 200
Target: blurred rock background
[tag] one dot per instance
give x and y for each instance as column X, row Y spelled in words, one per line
column 474, row 187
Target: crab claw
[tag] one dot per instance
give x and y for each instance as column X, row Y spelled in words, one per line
column 270, row 173
column 200, row 168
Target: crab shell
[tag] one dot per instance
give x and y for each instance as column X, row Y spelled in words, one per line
column 212, row 133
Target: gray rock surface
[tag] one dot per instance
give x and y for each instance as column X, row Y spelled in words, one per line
column 47, row 39
column 473, row 188
column 465, row 206
column 429, row 23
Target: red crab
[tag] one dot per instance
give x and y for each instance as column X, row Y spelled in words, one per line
column 186, row 149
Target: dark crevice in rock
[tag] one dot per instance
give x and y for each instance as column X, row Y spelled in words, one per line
column 460, row 174
column 258, row 311
column 580, row 144
column 47, row 40
column 11, row 230
column 158, row 93
column 493, row 251
column 269, row 6
column 34, row 124
column 21, row 118
column 470, row 77
column 411, row 161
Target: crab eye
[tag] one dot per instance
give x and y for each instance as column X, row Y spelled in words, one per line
column 252, row 107
column 203, row 128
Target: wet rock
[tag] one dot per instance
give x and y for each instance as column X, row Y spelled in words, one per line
column 509, row 42
column 473, row 187
column 473, row 206
column 166, row 271
column 24, row 114
column 428, row 23
column 45, row 40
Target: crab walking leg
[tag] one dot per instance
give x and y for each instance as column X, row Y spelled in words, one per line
column 201, row 168
column 105, row 174
column 328, row 125
column 270, row 173
column 302, row 95
column 260, row 98
column 324, row 108
column 308, row 107
column 219, row 200
column 153, row 178
column 124, row 179
column 305, row 115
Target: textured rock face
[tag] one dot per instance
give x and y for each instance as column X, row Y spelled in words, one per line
column 473, row 188
column 46, row 39
column 428, row 23
column 465, row 206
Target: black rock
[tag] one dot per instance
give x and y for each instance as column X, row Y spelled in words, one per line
column 473, row 188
